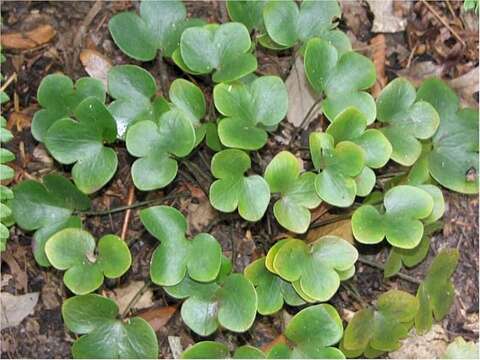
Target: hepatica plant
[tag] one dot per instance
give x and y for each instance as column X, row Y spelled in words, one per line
column 159, row 27
column 176, row 256
column 297, row 191
column 232, row 190
column 103, row 334
column 6, row 173
column 85, row 262
column 217, row 350
column 250, row 110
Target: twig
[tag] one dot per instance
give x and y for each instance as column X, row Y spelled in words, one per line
column 8, row 82
column 445, row 23
column 352, row 291
column 331, row 220
column 126, row 219
column 132, row 206
column 390, row 175
column 381, row 267
column 304, row 121
column 135, row 299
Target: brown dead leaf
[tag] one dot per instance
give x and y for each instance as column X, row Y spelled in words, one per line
column 280, row 339
column 123, row 296
column 432, row 345
column 19, row 120
column 200, row 215
column 16, row 308
column 300, row 96
column 418, row 72
column 466, row 85
column 29, row 39
column 96, row 64
column 390, row 16
column 342, row 228
column 158, row 317
column 18, row 273
column 379, row 48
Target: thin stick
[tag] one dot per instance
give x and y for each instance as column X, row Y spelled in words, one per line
column 126, row 219
column 132, row 206
column 135, row 299
column 9, row 80
column 392, row 174
column 331, row 220
column 305, row 118
column 354, row 293
column 445, row 23
column 381, row 267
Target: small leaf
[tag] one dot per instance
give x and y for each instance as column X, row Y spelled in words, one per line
column 405, row 206
column 206, row 350
column 249, row 13
column 232, row 190
column 176, row 255
column 73, row 250
column 408, row 120
column 461, row 349
column 106, row 337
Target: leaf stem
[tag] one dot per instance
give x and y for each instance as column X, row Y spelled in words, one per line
column 376, row 265
column 136, row 298
column 392, row 174
column 331, row 220
column 132, row 206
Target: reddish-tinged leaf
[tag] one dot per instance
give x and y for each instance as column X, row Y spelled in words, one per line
column 29, row 39
column 158, row 317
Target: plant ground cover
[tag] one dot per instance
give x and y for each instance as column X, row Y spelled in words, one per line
column 240, row 240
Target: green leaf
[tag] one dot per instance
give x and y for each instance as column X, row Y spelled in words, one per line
column 249, row 13
column 230, row 302
column 224, row 49
column 453, row 161
column 249, row 110
column 374, row 331
column 297, row 191
column 158, row 27
column 248, row 352
column 155, row 145
column 232, row 190
column 73, row 250
column 461, row 349
column 407, row 257
column 81, row 143
column 313, row 268
column 288, row 25
column 343, row 78
column 206, row 350
column 436, row 293
column 107, row 337
column 272, row 291
column 337, row 165
column 59, row 97
column 176, row 255
column 409, row 120
column 405, row 206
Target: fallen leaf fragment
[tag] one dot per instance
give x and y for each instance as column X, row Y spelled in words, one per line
column 96, row 64
column 29, row 39
column 158, row 317
column 342, row 228
column 123, row 296
column 16, row 308
column 432, row 345
column 465, row 86
column 390, row 16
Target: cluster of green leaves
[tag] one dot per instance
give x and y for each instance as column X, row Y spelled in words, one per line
column 406, row 209
column 201, row 257
column 6, row 172
column 103, row 334
column 312, row 332
column 85, row 262
column 314, row 269
column 373, row 331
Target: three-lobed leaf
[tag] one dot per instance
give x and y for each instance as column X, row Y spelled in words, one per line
column 408, row 120
column 103, row 334
column 249, row 110
column 86, row 263
column 232, row 190
column 176, row 255
column 343, row 78
column 298, row 195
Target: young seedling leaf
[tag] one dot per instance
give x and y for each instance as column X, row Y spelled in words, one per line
column 408, row 120
column 272, row 290
column 46, row 208
column 461, row 349
column 405, row 207
column 176, row 255
column 158, row 27
column 287, row 25
column 6, row 173
column 233, row 190
column 216, row 350
column 249, row 110
column 86, row 265
column 453, row 160
column 224, row 49
column 81, row 142
column 313, row 269
column 59, row 98
column 436, row 292
column 249, row 13
column 297, row 191
column 407, row 257
column 338, row 165
column 230, row 301
column 380, row 329
column 104, row 336
column 343, row 78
